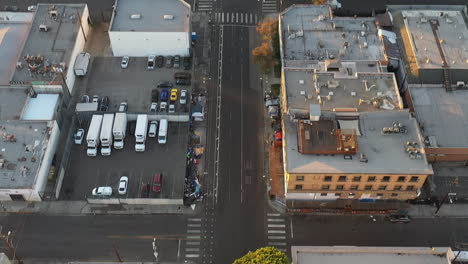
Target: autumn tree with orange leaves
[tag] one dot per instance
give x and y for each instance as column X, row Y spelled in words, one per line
column 267, row 54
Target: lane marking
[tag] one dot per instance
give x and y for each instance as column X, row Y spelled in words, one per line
column 194, row 249
column 276, row 237
column 277, row 243
column 272, row 225
column 193, row 243
column 193, row 237
column 194, row 225
column 193, row 231
column 273, row 214
column 192, row 255
column 276, row 232
column 275, row 220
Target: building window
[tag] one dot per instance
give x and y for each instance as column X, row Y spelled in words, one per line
column 409, row 187
column 325, row 187
column 328, row 178
column 340, row 187
column 386, row 178
column 342, row 179
column 354, row 187
column 356, row 178
column 338, row 194
column 298, row 187
column 380, row 194
column 394, row 194
column 397, row 188
column 351, row 195
column 382, row 187
column 323, row 194
column 299, row 178
column 401, row 179
column 414, row 179
column 371, row 179
column 368, row 187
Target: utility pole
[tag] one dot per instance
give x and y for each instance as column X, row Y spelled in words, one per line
column 9, row 244
column 446, row 196
column 460, row 247
column 117, row 253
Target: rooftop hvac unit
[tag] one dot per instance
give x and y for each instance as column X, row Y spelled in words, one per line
column 53, row 13
column 135, row 16
column 168, row 17
column 43, row 28
column 301, row 81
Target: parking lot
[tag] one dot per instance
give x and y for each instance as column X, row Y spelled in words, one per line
column 133, row 85
column 84, row 173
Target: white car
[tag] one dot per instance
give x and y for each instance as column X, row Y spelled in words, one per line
column 102, row 191
column 79, row 135
column 123, row 184
column 171, row 108
column 153, row 129
column 183, row 97
column 154, row 107
column 151, row 61
column 162, row 107
column 123, row 107
column 124, row 63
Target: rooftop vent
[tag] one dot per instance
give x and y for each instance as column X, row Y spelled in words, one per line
column 168, row 17
column 135, row 16
column 43, row 28
column 301, row 81
column 363, row 158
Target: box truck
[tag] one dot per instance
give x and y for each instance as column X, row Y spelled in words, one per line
column 92, row 138
column 81, row 64
column 106, row 134
column 140, row 132
column 162, row 134
column 120, row 126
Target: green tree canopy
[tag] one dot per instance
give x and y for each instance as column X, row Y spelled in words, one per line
column 266, row 255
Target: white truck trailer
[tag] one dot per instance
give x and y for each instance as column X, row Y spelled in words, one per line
column 120, row 126
column 140, row 132
column 106, row 134
column 92, row 138
column 82, row 63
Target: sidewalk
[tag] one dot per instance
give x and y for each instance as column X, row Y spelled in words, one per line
column 84, row 208
column 447, row 210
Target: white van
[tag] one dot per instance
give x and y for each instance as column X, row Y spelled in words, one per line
column 153, row 129
column 102, row 191
column 162, row 134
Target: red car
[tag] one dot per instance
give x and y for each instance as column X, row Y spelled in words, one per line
column 157, row 182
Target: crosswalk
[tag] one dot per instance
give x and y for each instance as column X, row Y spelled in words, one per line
column 193, row 241
column 236, row 18
column 276, row 231
column 205, row 5
column 269, row 6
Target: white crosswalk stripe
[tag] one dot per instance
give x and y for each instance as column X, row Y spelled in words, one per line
column 194, row 225
column 205, row 5
column 276, row 230
column 269, row 6
column 236, row 18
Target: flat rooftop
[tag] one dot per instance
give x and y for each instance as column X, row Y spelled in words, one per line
column 12, row 101
column 14, row 28
column 385, row 153
column 44, row 51
column 22, row 146
column 383, row 255
column 366, row 92
column 310, row 32
column 151, row 16
column 430, row 29
column 443, row 115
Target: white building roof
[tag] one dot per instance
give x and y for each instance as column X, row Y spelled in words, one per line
column 41, row 108
column 151, row 16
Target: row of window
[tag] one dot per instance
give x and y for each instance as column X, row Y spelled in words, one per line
column 351, row 195
column 369, row 178
column 366, row 188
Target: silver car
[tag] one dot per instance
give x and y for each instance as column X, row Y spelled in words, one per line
column 124, row 63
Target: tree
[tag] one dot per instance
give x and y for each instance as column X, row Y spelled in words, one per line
column 266, row 255
column 319, row 2
column 267, row 54
column 267, row 28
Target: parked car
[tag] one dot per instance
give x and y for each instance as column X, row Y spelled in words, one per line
column 183, row 97
column 157, row 183
column 123, row 184
column 123, row 107
column 169, row 62
column 177, row 61
column 164, row 85
column 102, row 191
column 164, row 95
column 272, row 102
column 154, row 107
column 186, row 62
column 79, row 135
column 172, row 108
column 182, row 78
column 85, row 99
column 95, row 98
column 399, row 218
column 151, row 59
column 104, row 103
column 160, row 61
column 163, row 107
column 124, row 63
column 154, row 95
column 174, row 93
column 153, row 129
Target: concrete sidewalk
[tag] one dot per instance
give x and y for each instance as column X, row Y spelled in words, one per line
column 84, row 208
column 447, row 210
